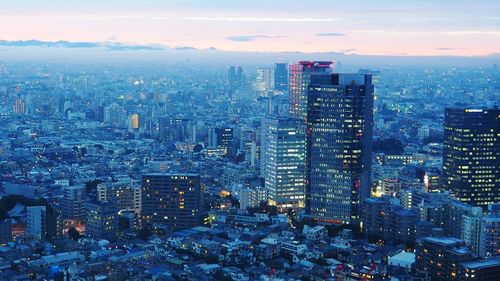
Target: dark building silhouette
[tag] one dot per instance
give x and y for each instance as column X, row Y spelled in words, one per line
column 339, row 146
column 171, row 199
column 281, row 76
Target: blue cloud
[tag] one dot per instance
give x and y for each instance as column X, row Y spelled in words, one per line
column 449, row 49
column 66, row 44
column 246, row 38
column 330, row 34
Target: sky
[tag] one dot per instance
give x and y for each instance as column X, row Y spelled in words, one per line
column 367, row 27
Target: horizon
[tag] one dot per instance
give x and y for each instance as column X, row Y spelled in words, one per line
column 449, row 28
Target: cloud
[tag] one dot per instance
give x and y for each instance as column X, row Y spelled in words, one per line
column 66, row 44
column 455, row 33
column 449, row 49
column 247, row 38
column 330, row 34
column 185, row 48
column 348, row 50
column 260, row 19
column 112, row 38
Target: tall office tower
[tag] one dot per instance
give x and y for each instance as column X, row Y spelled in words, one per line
column 73, row 203
column 231, row 76
column 283, row 161
column 171, row 199
column 471, row 156
column 236, row 78
column 299, row 79
column 19, row 106
column 36, row 221
column 339, row 146
column 281, row 76
column 264, row 81
column 102, row 219
column 100, row 113
column 126, row 196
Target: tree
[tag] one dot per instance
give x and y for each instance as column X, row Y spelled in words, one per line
column 197, row 148
column 73, row 234
column 92, row 185
column 83, row 151
column 144, row 233
column 388, row 146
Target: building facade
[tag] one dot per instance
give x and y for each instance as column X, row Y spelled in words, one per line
column 281, row 76
column 73, row 203
column 171, row 199
column 299, row 79
column 283, row 164
column 127, row 196
column 102, row 220
column 36, row 221
column 339, row 145
column 471, row 157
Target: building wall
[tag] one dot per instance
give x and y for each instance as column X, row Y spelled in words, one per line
column 171, row 199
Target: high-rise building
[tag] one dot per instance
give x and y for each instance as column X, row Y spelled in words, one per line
column 339, row 145
column 73, row 203
column 19, row 106
column 36, row 221
column 102, row 219
column 471, row 157
column 283, row 161
column 173, row 128
column 281, row 76
column 220, row 137
column 133, row 121
column 264, row 81
column 126, row 196
column 471, row 229
column 171, row 199
column 299, row 79
column 236, row 78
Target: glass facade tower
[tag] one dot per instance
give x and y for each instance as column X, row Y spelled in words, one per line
column 339, row 145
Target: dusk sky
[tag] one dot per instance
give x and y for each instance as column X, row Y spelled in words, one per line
column 383, row 27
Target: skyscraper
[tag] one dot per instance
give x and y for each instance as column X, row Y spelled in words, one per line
column 19, row 106
column 283, row 160
column 281, row 76
column 299, row 78
column 471, row 157
column 339, row 145
column 172, row 199
column 73, row 202
column 264, row 81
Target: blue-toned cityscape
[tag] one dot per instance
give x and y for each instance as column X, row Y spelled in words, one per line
column 261, row 158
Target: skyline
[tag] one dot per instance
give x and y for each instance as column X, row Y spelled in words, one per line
column 448, row 28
